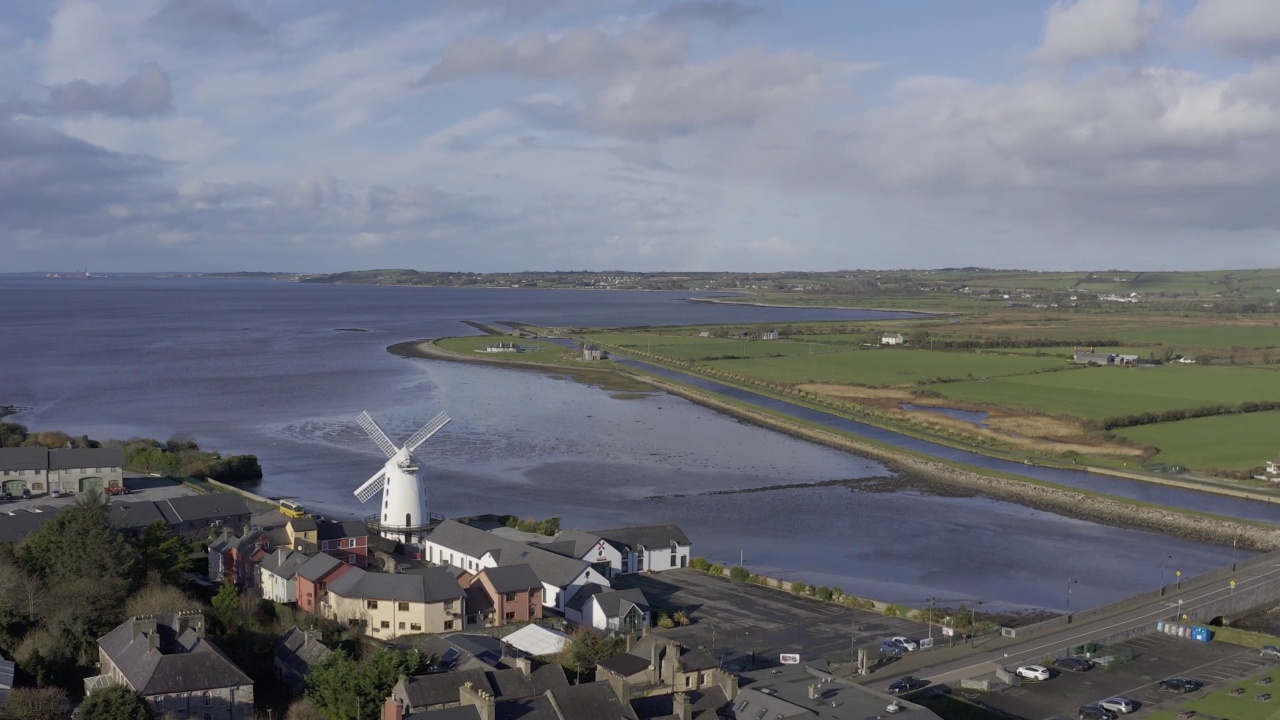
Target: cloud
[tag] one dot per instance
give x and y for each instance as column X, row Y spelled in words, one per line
column 1081, row 30
column 721, row 13
column 147, row 93
column 209, row 15
column 1241, row 27
column 536, row 55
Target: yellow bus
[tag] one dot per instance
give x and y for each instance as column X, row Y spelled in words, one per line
column 290, row 508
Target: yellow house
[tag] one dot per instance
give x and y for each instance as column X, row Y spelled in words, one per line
column 386, row 605
column 304, row 534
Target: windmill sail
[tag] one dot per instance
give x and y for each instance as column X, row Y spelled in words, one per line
column 426, row 432
column 372, row 486
column 366, row 421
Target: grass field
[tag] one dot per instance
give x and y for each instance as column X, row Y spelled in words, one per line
column 886, row 366
column 535, row 350
column 1101, row 392
column 1221, row 336
column 1219, row 703
column 1227, row 442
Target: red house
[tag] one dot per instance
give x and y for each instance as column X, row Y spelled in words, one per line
column 236, row 558
column 347, row 541
column 314, row 577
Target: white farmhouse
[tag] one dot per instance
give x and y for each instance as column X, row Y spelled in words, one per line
column 892, row 339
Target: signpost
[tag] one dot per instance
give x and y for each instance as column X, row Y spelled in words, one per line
column 948, row 631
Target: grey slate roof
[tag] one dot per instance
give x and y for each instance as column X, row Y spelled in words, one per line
column 624, row 664
column 345, row 529
column 650, row 536
column 300, row 653
column 584, row 595
column 24, row 459
column 616, row 603
column 422, row 587
column 512, row 578
column 590, row 701
column 183, row 660
column 705, row 703
column 789, row 698
column 462, row 712
column 15, row 526
column 574, row 543
column 303, row 524
column 135, row 514
column 69, row 458
column 189, row 508
column 286, row 566
column 550, row 568
column 511, row 684
column 318, row 566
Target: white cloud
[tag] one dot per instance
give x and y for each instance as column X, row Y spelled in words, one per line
column 1077, row 30
column 1246, row 27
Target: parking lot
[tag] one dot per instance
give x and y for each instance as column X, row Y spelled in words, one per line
column 141, row 488
column 739, row 621
column 1155, row 657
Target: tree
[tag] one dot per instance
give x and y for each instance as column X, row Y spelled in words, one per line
column 739, row 573
column 338, row 685
column 79, row 543
column 226, row 604
column 587, row 648
column 157, row 597
column 164, row 553
column 24, row 703
column 116, row 703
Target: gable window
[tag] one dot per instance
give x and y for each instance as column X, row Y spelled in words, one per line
column 371, row 604
column 402, row 607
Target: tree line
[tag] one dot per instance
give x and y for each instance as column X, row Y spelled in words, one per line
column 1150, row 418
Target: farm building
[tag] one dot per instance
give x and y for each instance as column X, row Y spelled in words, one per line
column 892, row 339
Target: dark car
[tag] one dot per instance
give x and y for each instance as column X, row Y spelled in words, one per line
column 1180, row 684
column 1096, row 712
column 1074, row 664
column 907, row 684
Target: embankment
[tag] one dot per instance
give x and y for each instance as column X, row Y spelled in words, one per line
column 1095, row 508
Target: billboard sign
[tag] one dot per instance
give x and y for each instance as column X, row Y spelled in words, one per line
column 789, row 659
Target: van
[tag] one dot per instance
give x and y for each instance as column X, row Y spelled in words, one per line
column 292, row 509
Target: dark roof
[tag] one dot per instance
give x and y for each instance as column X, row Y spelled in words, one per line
column 6, row 673
column 24, row 459
column 303, row 524
column 510, row 578
column 345, row 529
column 624, row 664
column 705, row 702
column 650, row 536
column 574, row 543
column 478, row 600
column 616, row 603
column 69, row 458
column 181, row 661
column 786, row 693
column 17, row 525
column 284, row 562
column 299, row 652
column 318, row 566
column 135, row 514
column 698, row 659
column 462, row 712
column 214, row 506
column 423, row 691
column 583, row 596
column 538, row 708
column 591, row 701
column 429, row 585
column 509, row 684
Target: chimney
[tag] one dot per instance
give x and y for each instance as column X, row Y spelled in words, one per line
column 815, row 692
column 524, row 665
column 392, row 710
column 144, row 624
column 681, row 706
column 484, row 703
column 280, row 554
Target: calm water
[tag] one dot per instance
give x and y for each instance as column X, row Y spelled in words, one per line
column 270, row 368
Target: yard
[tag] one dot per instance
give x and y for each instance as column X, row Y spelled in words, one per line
column 1226, row 442
column 1241, row 706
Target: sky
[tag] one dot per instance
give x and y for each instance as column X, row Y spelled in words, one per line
column 736, row 135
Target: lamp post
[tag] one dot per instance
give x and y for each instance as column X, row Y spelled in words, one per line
column 1070, row 581
column 1163, row 563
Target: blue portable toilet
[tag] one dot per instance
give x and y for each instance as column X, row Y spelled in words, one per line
column 1201, row 634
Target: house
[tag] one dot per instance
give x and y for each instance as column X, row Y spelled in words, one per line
column 588, row 701
column 704, row 704
column 645, row 548
column 614, row 611
column 1090, row 357
column 304, row 534
column 278, row 573
column 656, row 664
column 348, row 541
column 472, row 549
column 386, row 605
column 439, row 691
column 69, row 470
column 892, row 339
column 814, row 693
column 500, row 595
column 593, row 352
column 191, row 517
column 313, row 578
column 769, row 335
column 167, row 659
column 502, row 347
column 235, row 559
column 296, row 653
column 1273, row 466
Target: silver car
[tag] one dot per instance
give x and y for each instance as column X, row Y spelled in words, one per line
column 1120, row 705
column 1270, row 651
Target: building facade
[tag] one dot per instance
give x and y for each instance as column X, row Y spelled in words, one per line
column 385, row 605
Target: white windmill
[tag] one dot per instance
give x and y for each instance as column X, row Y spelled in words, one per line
column 403, row 514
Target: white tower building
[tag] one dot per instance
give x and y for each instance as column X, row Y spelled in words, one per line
column 403, row 513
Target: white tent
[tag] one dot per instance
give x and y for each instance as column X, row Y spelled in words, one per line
column 537, row 640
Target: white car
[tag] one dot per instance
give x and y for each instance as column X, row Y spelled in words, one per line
column 1032, row 672
column 1122, row 706
column 905, row 643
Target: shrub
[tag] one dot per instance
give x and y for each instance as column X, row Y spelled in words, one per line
column 823, row 593
column 799, row 588
column 682, row 618
column 739, row 573
column 700, row 563
column 665, row 621
column 716, row 570
column 892, row 610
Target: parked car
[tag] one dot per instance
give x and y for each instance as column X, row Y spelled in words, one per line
column 1074, row 664
column 1270, row 651
column 1124, row 706
column 1180, row 684
column 905, row 643
column 890, row 647
column 906, row 684
column 1032, row 672
column 55, row 493
column 1096, row 712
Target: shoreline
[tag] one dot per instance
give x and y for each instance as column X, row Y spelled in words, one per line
column 1105, row 510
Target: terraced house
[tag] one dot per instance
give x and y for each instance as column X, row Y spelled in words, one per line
column 66, row 470
column 386, row 605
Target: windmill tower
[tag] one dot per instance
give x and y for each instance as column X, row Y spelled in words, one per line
column 403, row 512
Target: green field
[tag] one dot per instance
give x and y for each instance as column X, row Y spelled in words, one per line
column 1226, row 442
column 885, row 366
column 536, row 350
column 1216, row 337
column 1101, row 392
column 1220, row 704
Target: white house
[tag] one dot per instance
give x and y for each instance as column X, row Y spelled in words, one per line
column 623, row 551
column 472, row 549
column 278, row 573
column 612, row 611
column 1273, row 466
column 892, row 339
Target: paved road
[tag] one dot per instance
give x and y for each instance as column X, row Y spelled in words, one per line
column 945, row 667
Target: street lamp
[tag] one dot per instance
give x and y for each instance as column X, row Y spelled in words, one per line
column 1163, row 563
column 1070, row 581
